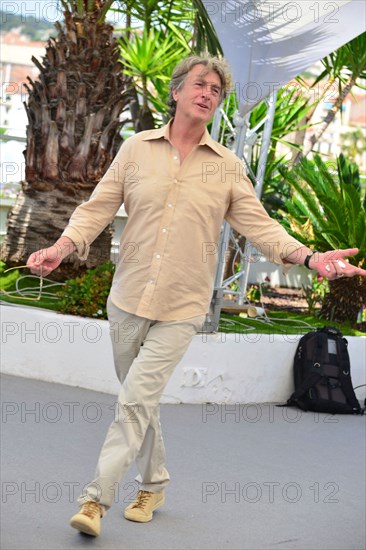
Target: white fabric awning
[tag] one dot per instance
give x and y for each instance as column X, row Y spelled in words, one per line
column 269, row 42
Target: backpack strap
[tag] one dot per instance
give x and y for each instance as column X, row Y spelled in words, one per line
column 318, row 359
column 345, row 375
column 343, row 355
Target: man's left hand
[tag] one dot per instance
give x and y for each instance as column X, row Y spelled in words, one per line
column 333, row 264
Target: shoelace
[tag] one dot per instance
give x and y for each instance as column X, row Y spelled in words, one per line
column 142, row 498
column 90, row 509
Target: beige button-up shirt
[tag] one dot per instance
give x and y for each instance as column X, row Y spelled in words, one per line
column 169, row 247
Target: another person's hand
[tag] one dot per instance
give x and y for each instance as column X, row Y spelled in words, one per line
column 333, row 264
column 44, row 261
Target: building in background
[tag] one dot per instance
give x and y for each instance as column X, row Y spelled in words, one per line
column 16, row 67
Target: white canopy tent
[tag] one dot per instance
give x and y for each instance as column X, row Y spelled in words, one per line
column 268, row 43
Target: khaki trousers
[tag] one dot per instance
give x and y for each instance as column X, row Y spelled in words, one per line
column 145, row 355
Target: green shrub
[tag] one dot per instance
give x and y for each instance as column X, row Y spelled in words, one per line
column 87, row 295
column 315, row 293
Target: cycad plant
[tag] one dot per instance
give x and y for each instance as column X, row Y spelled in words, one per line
column 73, row 132
column 328, row 211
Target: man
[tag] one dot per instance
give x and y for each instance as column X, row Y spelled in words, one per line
column 177, row 185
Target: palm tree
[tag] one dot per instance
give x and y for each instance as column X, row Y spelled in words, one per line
column 73, row 132
column 328, row 211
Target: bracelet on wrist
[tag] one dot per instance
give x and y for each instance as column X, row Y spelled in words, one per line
column 307, row 259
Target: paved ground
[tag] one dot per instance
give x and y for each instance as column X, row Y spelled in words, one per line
column 249, row 477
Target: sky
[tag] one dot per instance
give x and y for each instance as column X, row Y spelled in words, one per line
column 41, row 9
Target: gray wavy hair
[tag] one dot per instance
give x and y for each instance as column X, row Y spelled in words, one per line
column 211, row 63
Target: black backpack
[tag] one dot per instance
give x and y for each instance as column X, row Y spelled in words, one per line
column 322, row 374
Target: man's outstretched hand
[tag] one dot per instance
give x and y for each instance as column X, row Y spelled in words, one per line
column 333, row 264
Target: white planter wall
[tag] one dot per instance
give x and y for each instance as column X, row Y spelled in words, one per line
column 221, row 368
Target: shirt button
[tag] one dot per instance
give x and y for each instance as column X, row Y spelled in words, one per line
column 170, row 205
column 158, row 256
column 175, row 181
column 175, row 157
column 164, row 230
column 152, row 281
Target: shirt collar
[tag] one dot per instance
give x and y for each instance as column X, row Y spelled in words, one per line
column 164, row 132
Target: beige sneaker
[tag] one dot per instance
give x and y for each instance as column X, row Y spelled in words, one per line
column 87, row 520
column 143, row 506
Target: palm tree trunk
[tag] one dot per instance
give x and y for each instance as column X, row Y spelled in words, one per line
column 35, row 217
column 299, row 135
column 345, row 300
column 314, row 138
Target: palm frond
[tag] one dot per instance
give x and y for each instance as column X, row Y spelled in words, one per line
column 206, row 36
column 325, row 180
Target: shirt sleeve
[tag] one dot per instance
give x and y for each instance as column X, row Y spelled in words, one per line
column 248, row 217
column 91, row 217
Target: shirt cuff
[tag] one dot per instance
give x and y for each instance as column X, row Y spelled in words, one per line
column 82, row 247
